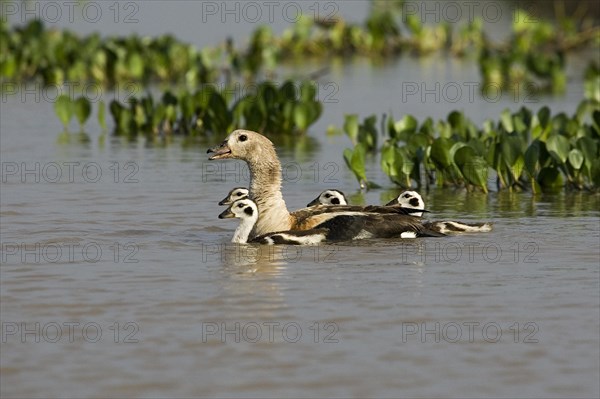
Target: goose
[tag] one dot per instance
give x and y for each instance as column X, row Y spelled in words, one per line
column 247, row 211
column 336, row 197
column 330, row 197
column 235, row 194
column 412, row 199
column 273, row 216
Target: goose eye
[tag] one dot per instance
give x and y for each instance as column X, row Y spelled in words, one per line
column 243, row 137
column 241, row 205
column 239, row 194
column 406, row 195
column 327, row 195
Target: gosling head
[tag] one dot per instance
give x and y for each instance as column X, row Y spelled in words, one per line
column 244, row 209
column 411, row 200
column 237, row 193
column 245, row 145
column 330, row 197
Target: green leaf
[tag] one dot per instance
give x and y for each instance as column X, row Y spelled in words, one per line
column 463, row 155
column 558, row 147
column 511, row 149
column 408, row 124
column 308, row 91
column 440, row 152
column 351, row 127
column 301, row 117
column 102, row 114
column 506, row 120
column 388, row 161
column 472, row 166
column 355, row 159
column 63, row 107
column 596, row 119
column 457, row 122
column 532, row 156
column 83, row 109
column 544, row 116
column 589, row 148
column 576, row 158
column 136, row 65
column 517, row 168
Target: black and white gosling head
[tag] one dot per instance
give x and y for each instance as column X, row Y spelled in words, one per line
column 411, row 200
column 237, row 193
column 245, row 210
column 329, row 197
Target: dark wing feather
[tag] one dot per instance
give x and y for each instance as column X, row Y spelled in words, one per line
column 347, row 227
column 301, row 215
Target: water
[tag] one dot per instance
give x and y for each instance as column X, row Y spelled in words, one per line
column 119, row 280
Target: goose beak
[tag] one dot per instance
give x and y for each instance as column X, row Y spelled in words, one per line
column 221, row 151
column 313, row 202
column 226, row 214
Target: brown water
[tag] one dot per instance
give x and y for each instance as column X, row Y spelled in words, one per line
column 119, row 289
column 117, row 278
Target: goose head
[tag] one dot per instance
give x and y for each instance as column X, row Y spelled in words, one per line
column 244, row 209
column 237, row 193
column 330, row 197
column 411, row 200
column 246, row 145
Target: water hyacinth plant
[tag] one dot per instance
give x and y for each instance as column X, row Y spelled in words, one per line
column 531, row 58
column 524, row 150
column 285, row 109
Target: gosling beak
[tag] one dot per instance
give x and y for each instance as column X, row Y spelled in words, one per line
column 313, row 202
column 226, row 214
column 225, row 201
column 221, row 151
column 411, row 210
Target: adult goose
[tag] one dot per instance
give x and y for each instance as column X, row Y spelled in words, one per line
column 265, row 190
column 412, row 199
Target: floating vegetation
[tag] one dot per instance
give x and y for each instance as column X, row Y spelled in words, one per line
column 533, row 56
column 286, row 109
column 525, row 150
column 53, row 57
